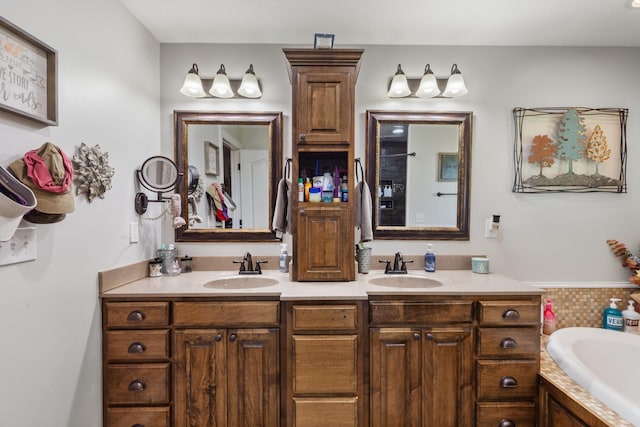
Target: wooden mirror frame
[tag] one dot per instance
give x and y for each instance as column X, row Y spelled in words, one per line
column 464, row 122
column 181, row 121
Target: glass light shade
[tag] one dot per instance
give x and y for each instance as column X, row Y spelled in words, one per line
column 635, row 3
column 249, row 88
column 221, row 88
column 455, row 84
column 399, row 87
column 192, row 85
column 428, row 84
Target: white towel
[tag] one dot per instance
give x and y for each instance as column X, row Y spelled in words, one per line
column 364, row 210
column 282, row 210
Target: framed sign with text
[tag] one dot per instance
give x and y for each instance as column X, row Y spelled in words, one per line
column 28, row 77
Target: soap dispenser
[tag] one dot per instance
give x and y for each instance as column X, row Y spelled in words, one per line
column 284, row 258
column 430, row 259
column 612, row 318
column 631, row 319
column 548, row 319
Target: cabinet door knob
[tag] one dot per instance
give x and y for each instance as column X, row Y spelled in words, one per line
column 416, row 336
column 302, row 212
column 303, row 137
column 430, row 336
column 232, row 337
column 505, row 422
column 218, row 338
column 511, row 314
column 136, row 347
column 508, row 343
column 136, row 316
column 508, row 382
column 137, row 385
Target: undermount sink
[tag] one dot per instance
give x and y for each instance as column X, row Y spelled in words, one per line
column 399, row 281
column 241, row 282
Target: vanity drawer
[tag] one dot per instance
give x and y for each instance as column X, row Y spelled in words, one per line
column 507, row 379
column 507, row 313
column 141, row 383
column 136, row 314
column 512, row 414
column 508, row 342
column 142, row 417
column 136, row 345
column 232, row 314
column 342, row 317
column 419, row 313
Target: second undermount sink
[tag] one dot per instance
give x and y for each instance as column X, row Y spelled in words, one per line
column 400, row 281
column 241, row 282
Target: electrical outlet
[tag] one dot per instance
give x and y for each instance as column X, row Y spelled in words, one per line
column 134, row 232
column 20, row 248
column 490, row 230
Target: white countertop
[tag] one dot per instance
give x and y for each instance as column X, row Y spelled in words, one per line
column 454, row 282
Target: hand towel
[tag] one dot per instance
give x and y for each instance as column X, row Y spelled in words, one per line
column 364, row 210
column 282, row 210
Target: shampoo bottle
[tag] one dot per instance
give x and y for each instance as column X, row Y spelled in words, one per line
column 430, row 259
column 612, row 318
column 631, row 319
column 548, row 319
column 284, row 258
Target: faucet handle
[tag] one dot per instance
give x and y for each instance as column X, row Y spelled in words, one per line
column 258, row 262
column 387, row 267
column 404, row 264
column 241, row 262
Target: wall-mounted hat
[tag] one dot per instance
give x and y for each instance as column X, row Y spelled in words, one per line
column 48, row 172
column 15, row 200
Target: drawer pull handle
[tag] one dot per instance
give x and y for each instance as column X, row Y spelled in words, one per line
column 137, row 385
column 136, row 347
column 505, row 422
column 218, row 338
column 511, row 314
column 508, row 343
column 232, row 337
column 136, row 316
column 508, row 382
column 416, row 336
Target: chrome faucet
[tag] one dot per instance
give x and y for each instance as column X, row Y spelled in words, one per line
column 399, row 265
column 246, row 265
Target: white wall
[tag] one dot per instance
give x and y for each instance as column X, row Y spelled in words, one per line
column 50, row 362
column 544, row 237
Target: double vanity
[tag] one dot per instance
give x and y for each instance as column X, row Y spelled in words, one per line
column 215, row 348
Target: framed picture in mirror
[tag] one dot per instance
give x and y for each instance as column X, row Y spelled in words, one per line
column 211, row 152
column 447, row 167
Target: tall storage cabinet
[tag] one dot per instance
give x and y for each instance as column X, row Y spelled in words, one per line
column 323, row 109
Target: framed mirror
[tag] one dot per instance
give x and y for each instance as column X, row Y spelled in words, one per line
column 237, row 160
column 418, row 170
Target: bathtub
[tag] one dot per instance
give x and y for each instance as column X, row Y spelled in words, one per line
column 605, row 363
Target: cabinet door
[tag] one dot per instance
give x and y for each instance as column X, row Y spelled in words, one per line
column 200, row 378
column 325, row 243
column 253, row 389
column 324, row 105
column 395, row 377
column 446, row 375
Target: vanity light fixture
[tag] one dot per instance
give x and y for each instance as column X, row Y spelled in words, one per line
column 428, row 84
column 455, row 84
column 635, row 3
column 399, row 85
column 221, row 86
column 192, row 84
column 249, row 88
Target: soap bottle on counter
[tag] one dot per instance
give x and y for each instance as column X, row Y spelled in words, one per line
column 548, row 319
column 284, row 258
column 612, row 318
column 430, row 259
column 631, row 319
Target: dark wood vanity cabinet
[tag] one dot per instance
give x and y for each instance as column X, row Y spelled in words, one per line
column 323, row 108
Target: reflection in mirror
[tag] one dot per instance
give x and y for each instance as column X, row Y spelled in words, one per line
column 158, row 173
column 232, row 162
column 418, row 171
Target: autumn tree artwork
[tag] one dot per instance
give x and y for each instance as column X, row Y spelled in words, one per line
column 570, row 149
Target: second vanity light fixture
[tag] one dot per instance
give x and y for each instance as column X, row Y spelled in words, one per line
column 428, row 88
column 220, row 84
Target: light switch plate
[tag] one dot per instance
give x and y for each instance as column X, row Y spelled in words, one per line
column 20, row 248
column 134, row 232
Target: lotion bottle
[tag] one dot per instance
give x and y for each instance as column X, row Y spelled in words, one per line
column 631, row 319
column 284, row 259
column 430, row 259
column 548, row 319
column 612, row 318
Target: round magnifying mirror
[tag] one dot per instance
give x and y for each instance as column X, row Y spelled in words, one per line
column 159, row 173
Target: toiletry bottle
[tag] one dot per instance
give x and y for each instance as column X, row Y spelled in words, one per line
column 631, row 319
column 307, row 186
column 548, row 319
column 284, row 258
column 300, row 190
column 430, row 259
column 344, row 189
column 612, row 318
